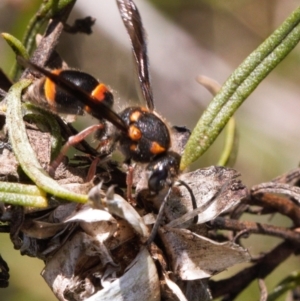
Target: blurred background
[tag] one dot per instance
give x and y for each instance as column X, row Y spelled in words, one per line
column 185, row 39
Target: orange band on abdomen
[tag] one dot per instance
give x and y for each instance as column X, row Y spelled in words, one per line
column 50, row 89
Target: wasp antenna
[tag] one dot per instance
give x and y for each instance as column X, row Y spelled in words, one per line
column 98, row 110
column 134, row 26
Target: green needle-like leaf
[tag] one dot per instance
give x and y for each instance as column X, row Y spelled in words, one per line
column 39, row 115
column 23, row 151
column 290, row 282
column 22, row 195
column 240, row 85
column 16, row 45
column 47, row 10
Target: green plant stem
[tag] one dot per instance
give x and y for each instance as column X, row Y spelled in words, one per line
column 289, row 283
column 229, row 152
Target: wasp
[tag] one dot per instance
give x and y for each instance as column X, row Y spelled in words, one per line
column 143, row 136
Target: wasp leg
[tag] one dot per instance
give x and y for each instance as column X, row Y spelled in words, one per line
column 92, row 169
column 73, row 140
column 129, row 182
column 159, row 217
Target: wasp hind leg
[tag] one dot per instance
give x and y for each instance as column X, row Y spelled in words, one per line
column 73, row 140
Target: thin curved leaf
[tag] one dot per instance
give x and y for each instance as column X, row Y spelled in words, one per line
column 240, row 85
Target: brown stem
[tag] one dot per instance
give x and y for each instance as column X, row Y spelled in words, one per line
column 278, row 188
column 231, row 287
column 279, row 204
column 291, row 177
column 252, row 227
column 263, row 290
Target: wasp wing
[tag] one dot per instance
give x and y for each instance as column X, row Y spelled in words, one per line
column 97, row 109
column 134, row 26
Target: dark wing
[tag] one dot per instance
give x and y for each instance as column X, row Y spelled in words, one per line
column 134, row 26
column 99, row 110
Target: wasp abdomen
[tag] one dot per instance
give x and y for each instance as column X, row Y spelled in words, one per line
column 50, row 96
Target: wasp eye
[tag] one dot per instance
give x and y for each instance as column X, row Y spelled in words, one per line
column 163, row 170
column 158, row 178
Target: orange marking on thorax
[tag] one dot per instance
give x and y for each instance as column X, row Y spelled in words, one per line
column 135, row 116
column 133, row 147
column 134, row 133
column 156, row 148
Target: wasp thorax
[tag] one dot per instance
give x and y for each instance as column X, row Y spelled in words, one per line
column 148, row 136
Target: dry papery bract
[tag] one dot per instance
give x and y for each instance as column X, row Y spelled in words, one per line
column 99, row 251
